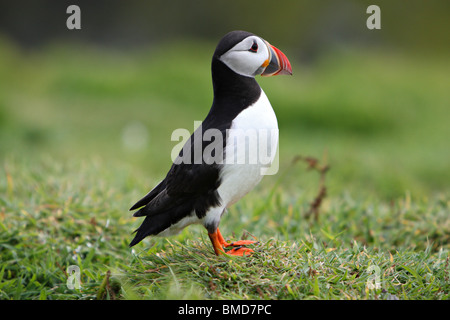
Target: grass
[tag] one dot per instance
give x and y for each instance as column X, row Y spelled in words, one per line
column 73, row 217
column 283, row 270
column 68, row 177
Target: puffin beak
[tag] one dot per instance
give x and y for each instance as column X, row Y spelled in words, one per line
column 277, row 63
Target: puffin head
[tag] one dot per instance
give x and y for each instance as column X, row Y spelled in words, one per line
column 249, row 55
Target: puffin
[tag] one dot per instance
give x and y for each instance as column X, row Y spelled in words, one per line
column 210, row 174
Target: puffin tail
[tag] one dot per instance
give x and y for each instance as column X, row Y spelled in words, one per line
column 147, row 228
column 155, row 223
column 137, row 238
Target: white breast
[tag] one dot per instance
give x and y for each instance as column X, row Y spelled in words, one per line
column 244, row 165
column 250, row 149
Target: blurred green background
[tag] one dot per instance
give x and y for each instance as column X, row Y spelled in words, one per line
column 374, row 103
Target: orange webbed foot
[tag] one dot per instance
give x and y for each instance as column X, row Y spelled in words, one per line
column 239, row 248
column 241, row 243
column 240, row 251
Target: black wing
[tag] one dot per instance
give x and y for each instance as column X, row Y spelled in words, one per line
column 189, row 186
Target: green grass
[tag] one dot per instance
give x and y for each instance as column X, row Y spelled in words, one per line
column 75, row 214
column 67, row 178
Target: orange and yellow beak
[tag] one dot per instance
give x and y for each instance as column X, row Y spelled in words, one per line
column 277, row 63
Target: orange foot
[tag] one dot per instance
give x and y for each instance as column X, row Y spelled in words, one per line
column 239, row 248
column 240, row 251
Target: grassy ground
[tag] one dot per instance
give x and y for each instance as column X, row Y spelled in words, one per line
column 72, row 166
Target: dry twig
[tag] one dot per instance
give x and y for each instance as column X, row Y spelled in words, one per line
column 313, row 164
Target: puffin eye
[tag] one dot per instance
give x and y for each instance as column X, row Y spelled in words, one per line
column 254, row 47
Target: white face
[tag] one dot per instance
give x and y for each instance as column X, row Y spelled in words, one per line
column 248, row 58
